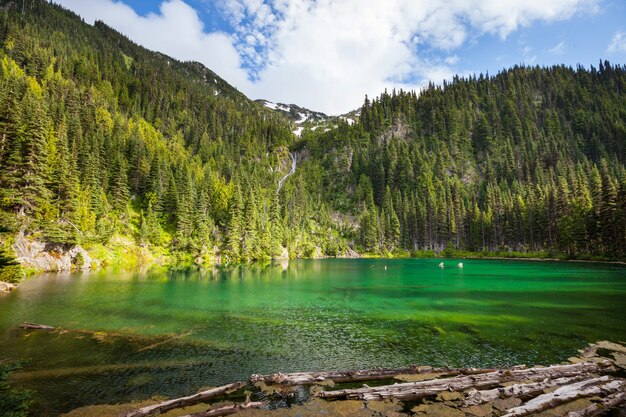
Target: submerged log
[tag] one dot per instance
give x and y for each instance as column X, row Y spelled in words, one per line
column 227, row 410
column 309, row 378
column 186, row 401
column 34, row 326
column 421, row 389
column 587, row 388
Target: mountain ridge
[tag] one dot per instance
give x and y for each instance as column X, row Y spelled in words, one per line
column 108, row 145
column 304, row 118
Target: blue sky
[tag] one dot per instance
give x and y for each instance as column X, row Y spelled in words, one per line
column 327, row 54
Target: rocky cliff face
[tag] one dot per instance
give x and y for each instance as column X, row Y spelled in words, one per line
column 51, row 257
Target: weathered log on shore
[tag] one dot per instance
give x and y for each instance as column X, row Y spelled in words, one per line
column 421, row 389
column 475, row 397
column 186, row 401
column 227, row 410
column 309, row 378
column 606, row 403
column 35, row 326
column 588, row 387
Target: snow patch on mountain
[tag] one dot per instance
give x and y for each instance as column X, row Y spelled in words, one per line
column 303, row 118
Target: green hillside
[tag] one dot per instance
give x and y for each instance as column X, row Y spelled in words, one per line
column 102, row 141
column 531, row 159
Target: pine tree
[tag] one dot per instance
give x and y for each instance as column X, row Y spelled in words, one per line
column 33, row 131
column 149, row 228
column 250, row 243
column 275, row 228
column 234, row 235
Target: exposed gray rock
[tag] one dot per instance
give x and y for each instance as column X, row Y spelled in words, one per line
column 350, row 253
column 32, row 253
column 283, row 255
column 6, row 288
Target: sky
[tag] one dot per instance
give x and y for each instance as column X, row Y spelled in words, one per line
column 326, row 55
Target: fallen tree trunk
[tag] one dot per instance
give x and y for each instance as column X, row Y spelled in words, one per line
column 475, row 397
column 594, row 386
column 309, row 378
column 227, row 410
column 502, row 391
column 185, row 401
column 601, row 406
column 415, row 390
column 34, row 326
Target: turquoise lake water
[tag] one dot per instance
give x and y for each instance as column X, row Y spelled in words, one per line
column 132, row 335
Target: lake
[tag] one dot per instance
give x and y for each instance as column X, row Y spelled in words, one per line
column 133, row 335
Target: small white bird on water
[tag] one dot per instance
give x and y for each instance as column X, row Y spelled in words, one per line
column 441, row 265
column 460, row 265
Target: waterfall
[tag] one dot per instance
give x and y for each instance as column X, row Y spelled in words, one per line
column 293, row 169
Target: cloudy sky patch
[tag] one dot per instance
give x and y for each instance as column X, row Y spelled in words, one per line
column 327, row 54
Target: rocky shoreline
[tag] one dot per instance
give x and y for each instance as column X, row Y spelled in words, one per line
column 591, row 384
column 47, row 257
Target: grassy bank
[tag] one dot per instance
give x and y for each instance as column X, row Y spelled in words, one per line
column 504, row 254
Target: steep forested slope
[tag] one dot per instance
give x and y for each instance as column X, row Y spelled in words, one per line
column 102, row 139
column 531, row 159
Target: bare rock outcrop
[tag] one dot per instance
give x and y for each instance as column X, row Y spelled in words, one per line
column 6, row 287
column 32, row 253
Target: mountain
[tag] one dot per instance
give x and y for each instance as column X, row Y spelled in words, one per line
column 104, row 141
column 130, row 153
column 303, row 118
column 531, row 160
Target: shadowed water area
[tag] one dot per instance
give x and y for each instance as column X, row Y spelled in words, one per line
column 132, row 335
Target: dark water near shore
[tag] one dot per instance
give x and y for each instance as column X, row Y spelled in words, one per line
column 131, row 336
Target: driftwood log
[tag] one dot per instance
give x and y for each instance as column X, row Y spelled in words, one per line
column 309, row 378
column 510, row 392
column 586, row 388
column 421, row 389
column 227, row 410
column 475, row 397
column 34, row 326
column 186, row 401
column 601, row 406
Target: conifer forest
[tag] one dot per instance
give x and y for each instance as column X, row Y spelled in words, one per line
column 100, row 137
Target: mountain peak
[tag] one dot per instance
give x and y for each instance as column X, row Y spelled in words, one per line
column 303, row 118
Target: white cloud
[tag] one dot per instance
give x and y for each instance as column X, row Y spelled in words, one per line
column 618, row 43
column 176, row 31
column 327, row 54
column 334, row 52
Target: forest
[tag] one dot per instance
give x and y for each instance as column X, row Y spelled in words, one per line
column 101, row 139
column 529, row 160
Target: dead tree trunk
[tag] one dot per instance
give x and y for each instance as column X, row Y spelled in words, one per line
column 186, row 401
column 475, row 397
column 415, row 390
column 309, row 378
column 34, row 326
column 601, row 406
column 505, row 389
column 226, row 410
column 587, row 388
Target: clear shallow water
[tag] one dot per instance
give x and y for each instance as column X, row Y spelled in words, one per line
column 304, row 315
